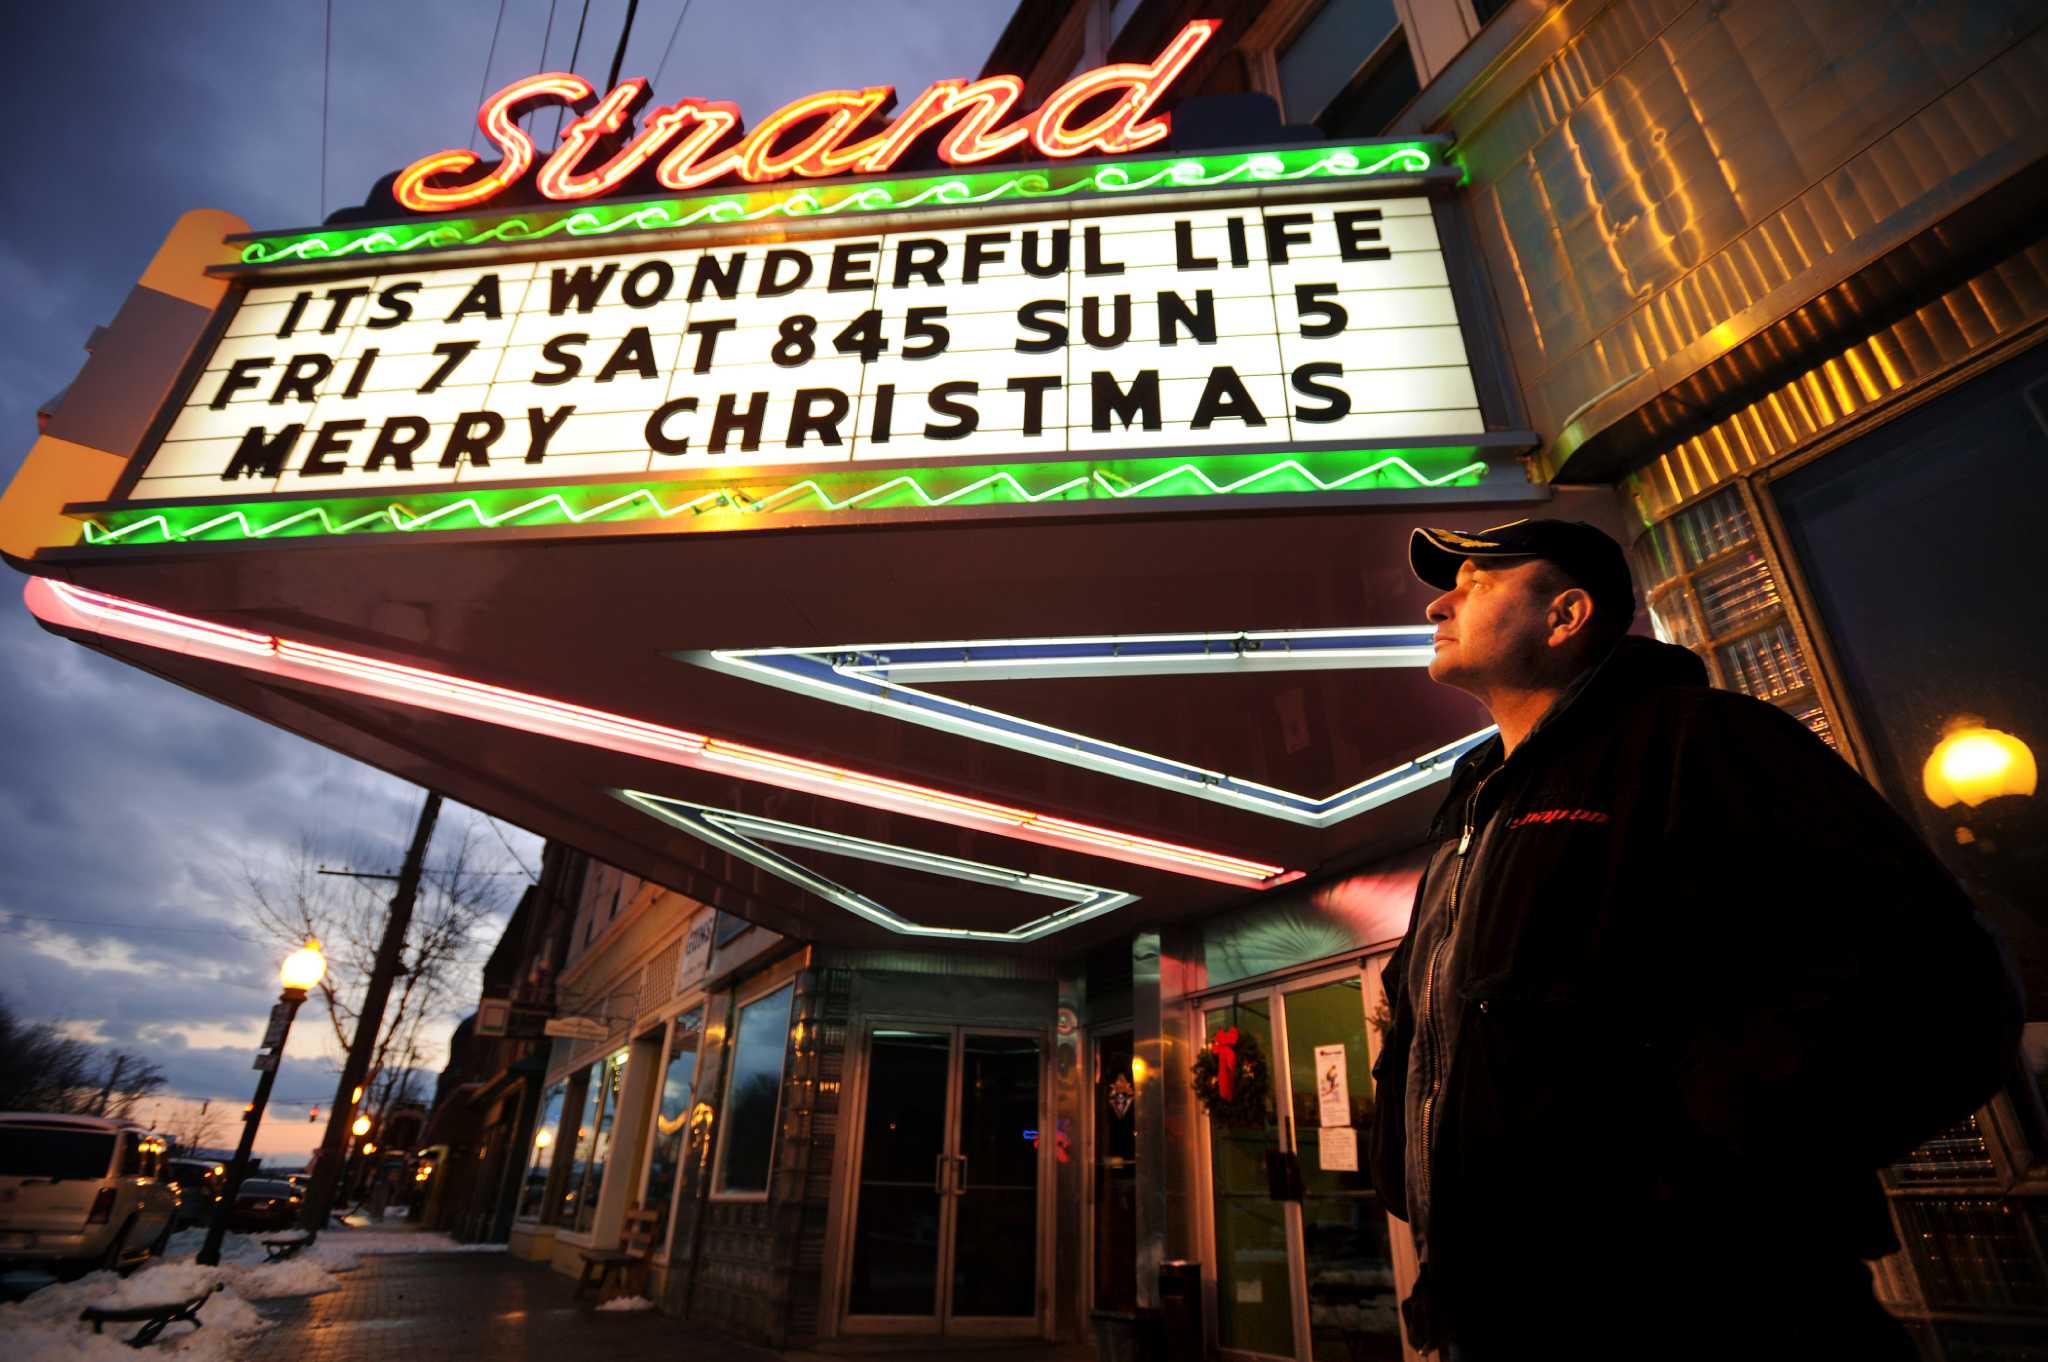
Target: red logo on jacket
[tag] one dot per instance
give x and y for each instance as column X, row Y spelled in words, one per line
column 1558, row 816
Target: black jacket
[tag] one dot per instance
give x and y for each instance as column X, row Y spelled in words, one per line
column 1710, row 982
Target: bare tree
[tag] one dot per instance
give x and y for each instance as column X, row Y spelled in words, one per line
column 195, row 1127
column 42, row 1069
column 458, row 893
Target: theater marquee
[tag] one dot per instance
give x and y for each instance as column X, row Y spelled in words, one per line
column 793, row 339
column 1176, row 331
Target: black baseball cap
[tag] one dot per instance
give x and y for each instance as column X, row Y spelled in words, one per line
column 1586, row 554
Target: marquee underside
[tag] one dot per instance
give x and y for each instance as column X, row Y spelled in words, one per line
column 599, row 622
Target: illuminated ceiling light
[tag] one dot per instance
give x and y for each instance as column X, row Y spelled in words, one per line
column 1973, row 763
column 743, row 834
column 72, row 607
column 855, row 488
column 879, row 678
column 1393, row 160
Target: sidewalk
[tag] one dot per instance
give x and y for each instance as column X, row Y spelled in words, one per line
column 462, row 1308
column 479, row 1306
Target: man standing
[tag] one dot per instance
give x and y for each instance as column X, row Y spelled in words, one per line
column 1677, row 983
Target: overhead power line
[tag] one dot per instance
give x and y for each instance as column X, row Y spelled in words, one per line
column 484, row 86
column 619, row 53
column 326, row 84
column 681, row 15
column 575, row 54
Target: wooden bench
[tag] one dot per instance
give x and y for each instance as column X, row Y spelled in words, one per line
column 279, row 1247
column 625, row 1262
column 156, row 1318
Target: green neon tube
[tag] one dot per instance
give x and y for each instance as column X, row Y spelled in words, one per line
column 1361, row 161
column 841, row 489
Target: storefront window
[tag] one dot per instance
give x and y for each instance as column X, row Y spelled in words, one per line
column 584, row 1091
column 1254, row 1302
column 754, row 1093
column 1920, row 543
column 672, row 1117
column 1349, row 70
column 540, row 1160
column 1353, row 1309
column 605, row 1078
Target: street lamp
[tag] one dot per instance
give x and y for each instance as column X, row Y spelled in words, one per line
column 361, row 1127
column 302, row 970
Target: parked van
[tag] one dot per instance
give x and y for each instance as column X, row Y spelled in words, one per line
column 81, row 1192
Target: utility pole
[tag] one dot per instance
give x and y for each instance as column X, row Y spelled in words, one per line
column 320, row 1196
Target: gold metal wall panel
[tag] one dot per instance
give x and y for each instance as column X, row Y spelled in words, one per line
column 1990, row 309
column 1674, row 176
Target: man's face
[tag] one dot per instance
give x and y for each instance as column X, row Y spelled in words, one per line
column 1491, row 627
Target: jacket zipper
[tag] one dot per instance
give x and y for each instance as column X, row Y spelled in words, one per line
column 1429, row 1015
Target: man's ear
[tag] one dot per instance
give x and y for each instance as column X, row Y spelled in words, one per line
column 1571, row 614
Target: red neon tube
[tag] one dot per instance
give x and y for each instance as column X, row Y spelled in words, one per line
column 74, row 607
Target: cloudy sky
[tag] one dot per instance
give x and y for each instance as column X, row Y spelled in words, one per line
column 129, row 806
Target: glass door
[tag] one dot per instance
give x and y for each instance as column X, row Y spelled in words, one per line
column 994, row 1241
column 1114, row 1149
column 902, row 1199
column 947, row 1223
column 1311, row 1278
column 1254, row 1281
column 1347, row 1259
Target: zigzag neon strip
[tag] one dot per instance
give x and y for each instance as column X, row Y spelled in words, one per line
column 742, row 835
column 890, row 679
column 962, row 191
column 77, row 608
column 552, row 507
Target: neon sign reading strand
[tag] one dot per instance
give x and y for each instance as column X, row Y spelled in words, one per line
column 694, row 142
column 1249, row 327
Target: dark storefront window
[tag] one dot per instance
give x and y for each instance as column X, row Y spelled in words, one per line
column 1116, row 1175
column 540, row 1161
column 1923, row 548
column 1348, row 70
column 605, row 1079
column 672, row 1117
column 1921, row 544
column 1328, row 51
column 754, row 1093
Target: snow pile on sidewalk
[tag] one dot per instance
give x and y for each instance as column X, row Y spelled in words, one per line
column 340, row 1250
column 627, row 1303
column 46, row 1327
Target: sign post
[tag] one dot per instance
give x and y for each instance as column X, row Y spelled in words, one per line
column 301, row 971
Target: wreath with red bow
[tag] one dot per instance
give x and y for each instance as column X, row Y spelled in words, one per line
column 1231, row 1079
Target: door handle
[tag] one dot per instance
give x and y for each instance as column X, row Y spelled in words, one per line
column 960, row 1187
column 939, row 1175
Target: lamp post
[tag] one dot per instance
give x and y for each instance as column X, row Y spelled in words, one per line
column 301, row 971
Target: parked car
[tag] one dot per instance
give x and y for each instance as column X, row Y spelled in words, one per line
column 198, row 1183
column 264, row 1204
column 80, row 1192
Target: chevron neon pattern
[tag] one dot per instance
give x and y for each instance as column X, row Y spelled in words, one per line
column 894, row 680
column 1361, row 161
column 856, row 489
column 743, row 835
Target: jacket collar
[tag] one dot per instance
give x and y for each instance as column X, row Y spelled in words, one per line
column 1633, row 667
